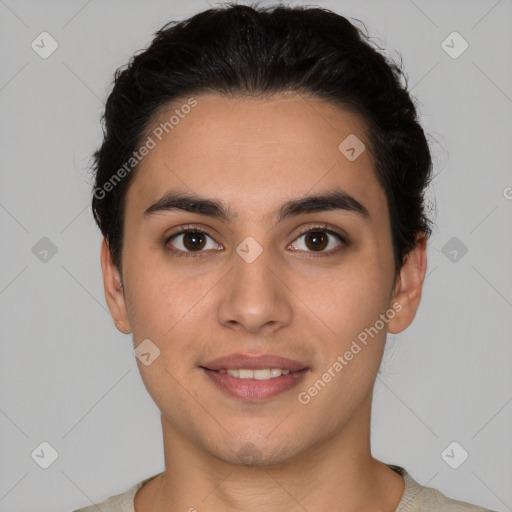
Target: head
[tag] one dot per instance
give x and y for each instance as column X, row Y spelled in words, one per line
column 289, row 149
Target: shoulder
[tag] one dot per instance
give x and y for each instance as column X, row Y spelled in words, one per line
column 118, row 503
column 417, row 498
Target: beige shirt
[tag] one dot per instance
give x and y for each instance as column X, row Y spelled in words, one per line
column 415, row 498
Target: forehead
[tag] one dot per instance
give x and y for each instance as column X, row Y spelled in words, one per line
column 255, row 153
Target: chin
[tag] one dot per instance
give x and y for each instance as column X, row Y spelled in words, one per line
column 255, row 453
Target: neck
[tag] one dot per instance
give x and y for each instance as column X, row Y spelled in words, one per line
column 338, row 473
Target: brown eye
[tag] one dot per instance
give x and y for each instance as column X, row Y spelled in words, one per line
column 317, row 240
column 192, row 241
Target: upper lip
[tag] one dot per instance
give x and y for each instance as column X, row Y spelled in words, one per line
column 241, row 361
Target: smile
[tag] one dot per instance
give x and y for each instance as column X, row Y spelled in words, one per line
column 263, row 374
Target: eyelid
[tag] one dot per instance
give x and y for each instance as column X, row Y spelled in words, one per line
column 324, row 227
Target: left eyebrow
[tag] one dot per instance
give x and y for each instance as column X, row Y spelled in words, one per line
column 331, row 200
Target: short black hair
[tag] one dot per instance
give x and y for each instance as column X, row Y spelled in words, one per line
column 252, row 51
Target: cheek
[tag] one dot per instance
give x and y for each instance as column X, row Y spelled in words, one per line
column 350, row 355
column 168, row 306
column 351, row 299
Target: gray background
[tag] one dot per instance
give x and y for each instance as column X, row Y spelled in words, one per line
column 69, row 378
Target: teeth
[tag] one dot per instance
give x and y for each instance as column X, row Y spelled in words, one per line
column 245, row 374
column 263, row 374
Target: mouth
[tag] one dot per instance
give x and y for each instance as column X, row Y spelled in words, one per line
column 254, row 379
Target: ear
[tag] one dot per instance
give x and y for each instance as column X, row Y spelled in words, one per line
column 409, row 285
column 114, row 294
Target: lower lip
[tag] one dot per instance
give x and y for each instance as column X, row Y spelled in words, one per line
column 253, row 390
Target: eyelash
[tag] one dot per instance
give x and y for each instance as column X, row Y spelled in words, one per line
column 195, row 229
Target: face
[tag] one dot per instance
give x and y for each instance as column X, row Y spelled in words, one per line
column 262, row 272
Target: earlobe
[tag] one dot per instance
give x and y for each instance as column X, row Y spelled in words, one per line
column 113, row 287
column 409, row 286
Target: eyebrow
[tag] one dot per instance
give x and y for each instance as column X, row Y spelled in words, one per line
column 332, row 200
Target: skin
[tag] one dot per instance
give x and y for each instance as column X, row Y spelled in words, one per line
column 254, row 155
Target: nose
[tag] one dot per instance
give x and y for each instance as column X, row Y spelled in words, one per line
column 254, row 296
